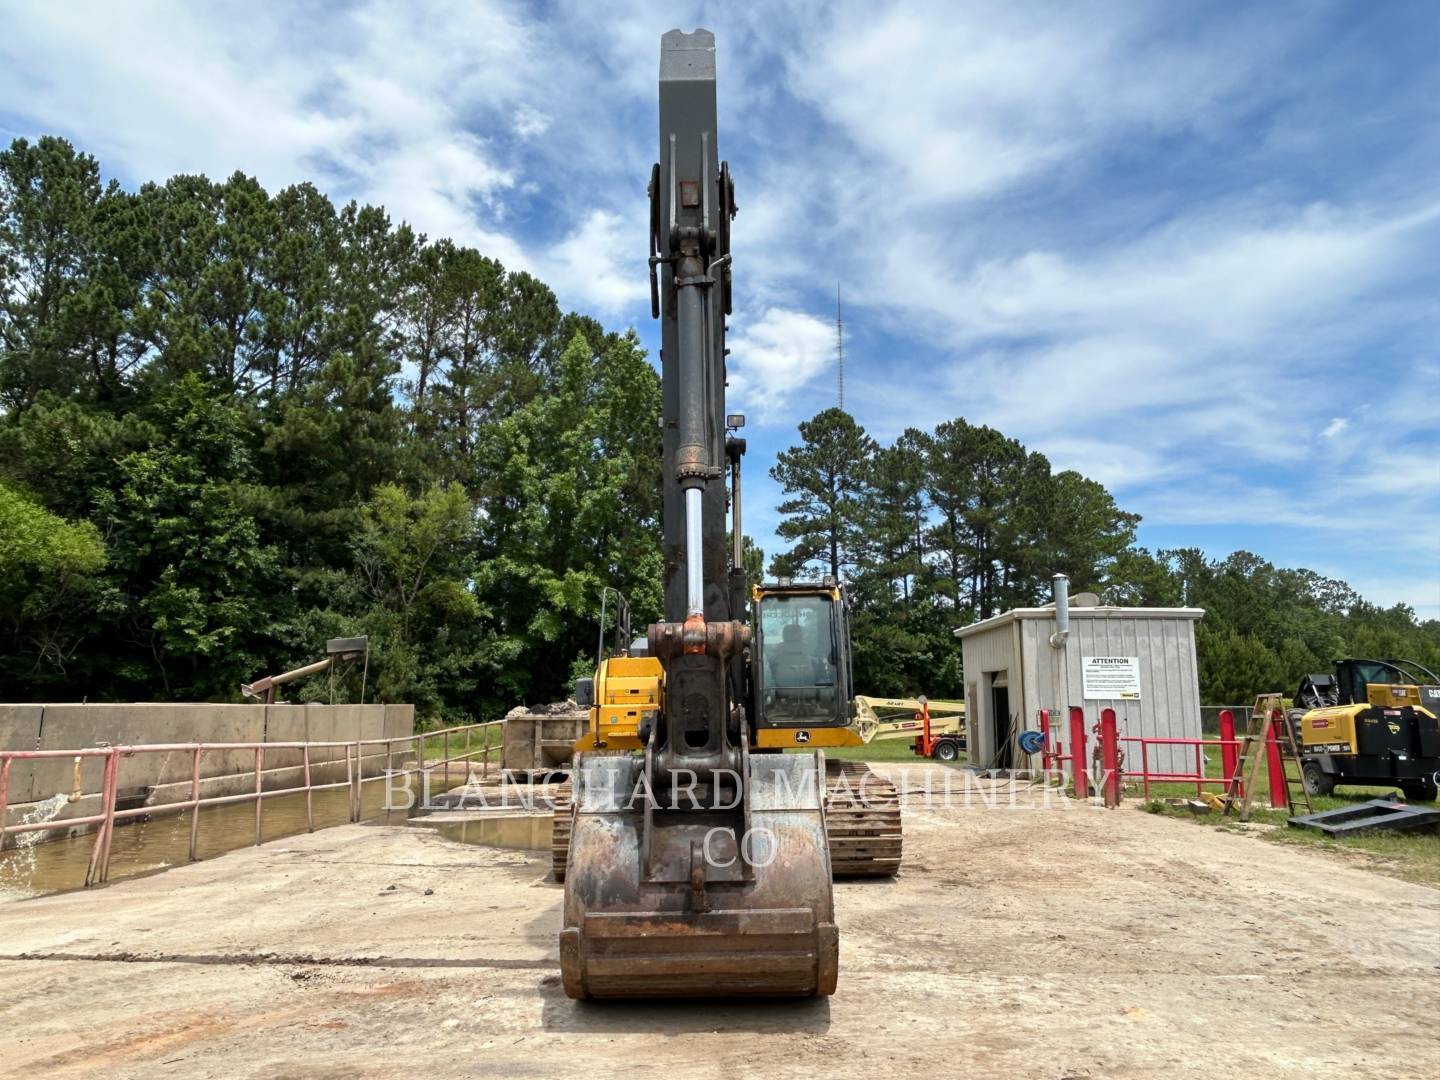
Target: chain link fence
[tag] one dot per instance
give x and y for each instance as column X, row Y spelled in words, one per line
column 1210, row 718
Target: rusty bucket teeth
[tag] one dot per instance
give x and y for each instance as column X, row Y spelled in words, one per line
column 645, row 919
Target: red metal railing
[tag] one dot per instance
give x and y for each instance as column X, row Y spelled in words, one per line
column 1113, row 763
column 1058, row 757
column 1229, row 755
column 355, row 759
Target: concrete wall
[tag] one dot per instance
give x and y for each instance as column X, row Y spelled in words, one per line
column 75, row 727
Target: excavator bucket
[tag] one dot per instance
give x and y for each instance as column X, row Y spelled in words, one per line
column 661, row 903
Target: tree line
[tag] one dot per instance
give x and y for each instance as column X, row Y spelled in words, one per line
column 940, row 529
column 234, row 424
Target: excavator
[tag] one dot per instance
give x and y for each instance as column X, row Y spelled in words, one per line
column 699, row 838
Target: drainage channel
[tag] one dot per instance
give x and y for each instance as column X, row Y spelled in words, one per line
column 152, row 844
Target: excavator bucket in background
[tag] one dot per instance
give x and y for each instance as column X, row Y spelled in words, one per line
column 691, row 916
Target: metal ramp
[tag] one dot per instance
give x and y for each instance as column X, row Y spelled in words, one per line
column 1375, row 814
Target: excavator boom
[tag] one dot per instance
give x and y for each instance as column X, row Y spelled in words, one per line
column 697, row 869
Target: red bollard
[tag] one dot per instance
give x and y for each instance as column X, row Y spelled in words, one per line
column 1279, row 796
column 1077, row 752
column 1110, row 757
column 1229, row 752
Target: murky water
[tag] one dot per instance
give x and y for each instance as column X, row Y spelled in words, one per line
column 529, row 832
column 33, row 868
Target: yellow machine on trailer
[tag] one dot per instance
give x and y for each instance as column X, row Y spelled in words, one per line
column 884, row 719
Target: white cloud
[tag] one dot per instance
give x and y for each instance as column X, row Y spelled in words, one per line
column 530, row 123
column 435, row 112
column 1335, row 427
column 963, row 101
column 776, row 355
column 601, row 264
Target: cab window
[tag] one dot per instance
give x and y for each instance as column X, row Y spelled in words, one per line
column 799, row 662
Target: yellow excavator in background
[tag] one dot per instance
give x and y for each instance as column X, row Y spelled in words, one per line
column 699, row 863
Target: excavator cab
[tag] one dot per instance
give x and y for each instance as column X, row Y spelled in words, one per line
column 802, row 657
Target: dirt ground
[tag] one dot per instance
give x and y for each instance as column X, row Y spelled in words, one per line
column 1016, row 942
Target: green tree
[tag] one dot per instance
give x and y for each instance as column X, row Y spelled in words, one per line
column 45, row 567
column 413, row 565
column 826, row 481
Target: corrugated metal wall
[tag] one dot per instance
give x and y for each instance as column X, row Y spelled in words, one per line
column 1169, row 706
column 984, row 654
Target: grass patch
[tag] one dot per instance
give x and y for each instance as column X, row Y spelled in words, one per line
column 883, row 750
column 461, row 742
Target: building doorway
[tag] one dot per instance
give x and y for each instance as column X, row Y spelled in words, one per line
column 1004, row 755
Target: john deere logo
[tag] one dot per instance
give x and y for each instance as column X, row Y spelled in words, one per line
column 802, row 736
column 1394, row 727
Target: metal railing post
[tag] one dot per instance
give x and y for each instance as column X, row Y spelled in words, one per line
column 1077, row 752
column 195, row 799
column 1279, row 794
column 4, row 797
column 309, row 792
column 1229, row 752
column 349, row 785
column 389, row 780
column 259, row 802
column 1110, row 758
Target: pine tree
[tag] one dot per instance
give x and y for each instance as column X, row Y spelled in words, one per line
column 826, row 479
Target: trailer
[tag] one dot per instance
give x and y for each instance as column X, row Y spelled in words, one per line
column 936, row 729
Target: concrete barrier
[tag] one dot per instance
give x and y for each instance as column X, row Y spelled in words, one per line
column 20, row 730
column 69, row 726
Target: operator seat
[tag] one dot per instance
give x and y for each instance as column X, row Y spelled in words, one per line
column 791, row 665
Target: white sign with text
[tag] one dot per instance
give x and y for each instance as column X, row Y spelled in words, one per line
column 1111, row 678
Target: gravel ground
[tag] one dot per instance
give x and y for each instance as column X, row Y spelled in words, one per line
column 1016, row 942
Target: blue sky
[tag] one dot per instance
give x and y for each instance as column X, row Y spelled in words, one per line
column 1189, row 250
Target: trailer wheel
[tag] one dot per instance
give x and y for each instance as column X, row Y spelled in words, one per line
column 1317, row 781
column 946, row 750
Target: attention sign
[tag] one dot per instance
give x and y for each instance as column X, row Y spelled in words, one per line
column 1110, row 678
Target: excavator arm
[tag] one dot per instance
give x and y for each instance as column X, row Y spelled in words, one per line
column 697, row 869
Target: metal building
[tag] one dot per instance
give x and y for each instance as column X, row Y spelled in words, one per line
column 1138, row 661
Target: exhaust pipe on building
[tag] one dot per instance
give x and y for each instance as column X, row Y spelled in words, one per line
column 1061, row 586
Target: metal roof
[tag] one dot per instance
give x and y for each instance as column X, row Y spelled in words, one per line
column 1103, row 612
